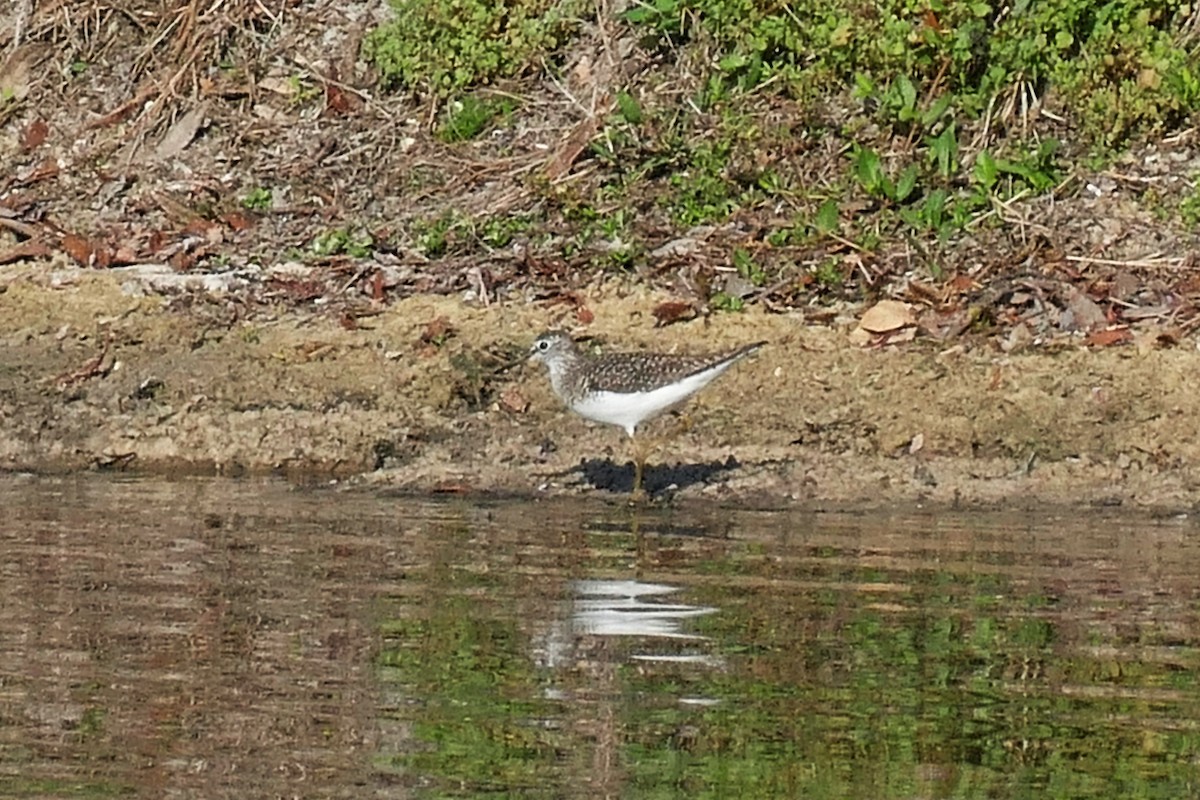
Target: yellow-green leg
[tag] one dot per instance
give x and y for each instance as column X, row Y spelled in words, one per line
column 643, row 447
column 639, row 470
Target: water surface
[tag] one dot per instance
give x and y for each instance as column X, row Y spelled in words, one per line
column 252, row 639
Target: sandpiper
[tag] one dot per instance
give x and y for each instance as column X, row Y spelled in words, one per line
column 626, row 389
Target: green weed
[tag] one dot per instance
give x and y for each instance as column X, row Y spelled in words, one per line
column 497, row 232
column 661, row 19
column 1189, row 208
column 1120, row 67
column 433, row 236
column 630, row 109
column 257, row 199
column 869, row 171
column 748, row 268
column 443, row 46
column 701, row 191
column 828, row 218
column 91, row 723
column 343, row 241
column 471, row 116
column 303, row 90
column 721, row 301
column 829, row 274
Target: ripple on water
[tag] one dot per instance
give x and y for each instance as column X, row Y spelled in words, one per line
column 240, row 638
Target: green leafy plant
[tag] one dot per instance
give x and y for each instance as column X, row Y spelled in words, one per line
column 899, row 102
column 443, row 46
column 874, row 179
column 629, row 108
column 943, row 152
column 612, row 225
column 1189, row 208
column 1120, row 67
column 701, row 192
column 469, row 117
column 1036, row 170
column 828, row 274
column 721, row 301
column 499, row 232
column 828, row 217
column 432, row 236
column 663, row 18
column 623, row 257
column 748, row 268
column 302, row 89
column 257, row 199
column 342, row 241
column 930, row 213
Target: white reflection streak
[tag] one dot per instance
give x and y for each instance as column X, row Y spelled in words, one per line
column 616, row 608
column 623, row 608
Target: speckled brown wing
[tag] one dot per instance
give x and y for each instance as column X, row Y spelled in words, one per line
column 642, row 372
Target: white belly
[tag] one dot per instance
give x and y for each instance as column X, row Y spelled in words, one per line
column 630, row 410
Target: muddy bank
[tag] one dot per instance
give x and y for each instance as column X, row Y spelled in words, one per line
column 431, row 394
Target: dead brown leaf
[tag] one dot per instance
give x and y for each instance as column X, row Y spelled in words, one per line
column 437, row 330
column 512, row 400
column 123, row 255
column 997, row 379
column 962, row 284
column 672, row 311
column 113, row 460
column 79, row 249
column 314, row 351
column 156, row 241
column 1107, row 338
column 47, row 169
column 898, row 337
column 338, row 100
column 1123, row 285
column 15, row 71
column 942, row 325
column 211, row 231
column 35, row 135
column 923, row 292
column 238, row 221
column 886, row 316
column 125, row 109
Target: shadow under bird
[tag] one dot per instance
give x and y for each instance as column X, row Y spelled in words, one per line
column 627, row 389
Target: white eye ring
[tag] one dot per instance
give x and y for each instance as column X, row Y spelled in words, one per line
column 543, row 346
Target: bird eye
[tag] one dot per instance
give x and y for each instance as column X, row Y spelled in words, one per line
column 543, row 345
